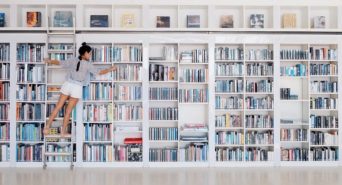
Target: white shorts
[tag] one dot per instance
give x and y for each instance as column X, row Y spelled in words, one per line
column 72, row 89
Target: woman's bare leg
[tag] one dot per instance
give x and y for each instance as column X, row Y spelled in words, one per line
column 60, row 103
column 71, row 105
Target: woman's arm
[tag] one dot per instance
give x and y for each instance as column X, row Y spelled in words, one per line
column 54, row 62
column 105, row 71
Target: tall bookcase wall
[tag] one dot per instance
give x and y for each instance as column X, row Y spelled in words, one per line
column 305, row 16
column 274, row 100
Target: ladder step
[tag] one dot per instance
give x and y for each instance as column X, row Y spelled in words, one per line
column 61, row 33
column 57, row 154
column 57, row 136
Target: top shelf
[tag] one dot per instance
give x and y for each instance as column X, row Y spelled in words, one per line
column 194, row 16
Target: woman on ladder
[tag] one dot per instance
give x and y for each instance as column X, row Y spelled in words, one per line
column 78, row 73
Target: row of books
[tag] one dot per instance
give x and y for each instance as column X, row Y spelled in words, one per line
column 4, row 152
column 296, row 70
column 324, row 138
column 29, row 132
column 265, row 86
column 194, row 75
column 194, row 127
column 285, row 94
column 163, row 93
column 164, row 113
column 226, row 53
column 229, row 86
column 30, row 112
column 55, row 148
column 229, row 69
column 232, row 102
column 122, row 53
column 127, row 72
column 259, row 121
column 97, row 153
column 194, row 152
column 29, row 153
column 124, row 112
column 259, row 54
column 258, row 154
column 30, row 52
column 4, row 91
column 259, row 103
column 158, row 72
column 164, row 133
column 194, row 56
column 4, row 112
column 294, row 154
column 229, row 154
column 323, row 103
column 259, row 69
column 323, row 69
column 293, row 134
column 323, row 53
column 294, row 54
column 229, row 137
column 60, row 47
column 30, row 73
column 98, row 91
column 192, row 138
column 323, row 86
column 104, row 77
column 30, row 92
column 4, row 52
column 169, row 53
column 97, row 132
column 193, row 95
column 317, row 121
column 94, row 113
column 4, row 71
column 324, row 154
column 259, row 138
column 4, row 132
column 101, row 54
column 163, row 154
column 228, row 121
column 126, row 93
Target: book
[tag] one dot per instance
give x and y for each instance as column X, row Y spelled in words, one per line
column 128, row 21
column 318, row 22
column 193, row 21
column 163, row 22
column 256, row 21
column 289, row 20
column 63, row 19
column 2, row 19
column 98, row 20
column 227, row 21
column 33, row 19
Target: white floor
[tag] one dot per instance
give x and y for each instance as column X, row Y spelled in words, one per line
column 173, row 176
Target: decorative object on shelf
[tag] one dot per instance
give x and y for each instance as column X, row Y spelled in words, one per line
column 256, row 21
column 163, row 22
column 193, row 21
column 289, row 20
column 2, row 19
column 34, row 19
column 128, row 21
column 318, row 22
column 99, row 21
column 63, row 19
column 227, row 21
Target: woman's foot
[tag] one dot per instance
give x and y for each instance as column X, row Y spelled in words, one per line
column 64, row 132
column 46, row 130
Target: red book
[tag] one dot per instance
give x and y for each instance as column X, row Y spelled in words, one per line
column 133, row 141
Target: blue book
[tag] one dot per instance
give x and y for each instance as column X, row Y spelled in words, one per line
column 99, row 21
column 63, row 19
column 2, row 19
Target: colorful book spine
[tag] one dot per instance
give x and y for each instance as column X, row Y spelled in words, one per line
column 294, row 154
column 324, row 154
column 30, row 112
column 195, row 152
column 323, row 103
column 259, row 121
column 229, row 154
column 4, row 91
column 97, row 153
column 232, row 102
column 5, row 132
column 294, row 54
column 229, row 86
column 323, row 69
column 29, row 132
column 98, row 91
column 31, row 92
column 259, row 69
column 323, row 53
column 323, row 86
column 259, row 54
column 163, row 93
column 128, row 73
column 287, row 134
column 97, row 113
column 101, row 54
column 28, row 73
column 125, row 53
column 193, row 95
column 4, row 153
column 4, row 71
column 265, row 86
column 124, row 112
column 194, row 75
column 30, row 53
column 259, row 103
column 228, row 121
column 258, row 154
column 97, row 132
column 226, row 53
column 4, row 52
column 127, row 92
column 318, row 121
column 296, row 70
column 164, row 113
column 170, row 134
column 324, row 138
column 29, row 153
column 259, row 138
column 231, row 69
column 230, row 138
